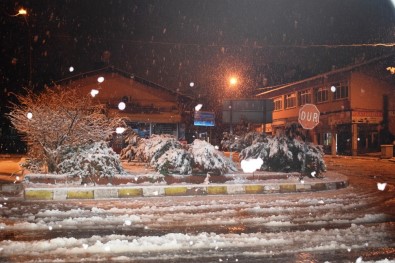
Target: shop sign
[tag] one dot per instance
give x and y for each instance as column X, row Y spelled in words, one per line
column 373, row 117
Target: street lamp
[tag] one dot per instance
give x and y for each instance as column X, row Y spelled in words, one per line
column 233, row 81
column 23, row 12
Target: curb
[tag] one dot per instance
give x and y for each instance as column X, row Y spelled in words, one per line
column 97, row 193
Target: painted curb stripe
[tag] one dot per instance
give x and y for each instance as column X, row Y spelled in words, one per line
column 253, row 189
column 287, row 188
column 175, row 191
column 111, row 193
column 78, row 194
column 38, row 195
column 130, row 192
column 216, row 190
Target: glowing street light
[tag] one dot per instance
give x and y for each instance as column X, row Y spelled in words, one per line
column 22, row 12
column 29, row 115
column 233, row 81
column 333, row 89
column 100, row 79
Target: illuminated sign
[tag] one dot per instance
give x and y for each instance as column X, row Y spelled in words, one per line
column 204, row 118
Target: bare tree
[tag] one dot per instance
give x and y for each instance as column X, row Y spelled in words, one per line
column 58, row 117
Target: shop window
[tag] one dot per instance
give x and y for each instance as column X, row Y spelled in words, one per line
column 321, row 94
column 289, row 101
column 341, row 91
column 278, row 103
column 304, row 97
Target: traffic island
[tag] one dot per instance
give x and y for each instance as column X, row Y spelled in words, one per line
column 332, row 181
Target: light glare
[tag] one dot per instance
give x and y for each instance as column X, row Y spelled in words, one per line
column 333, row 89
column 22, row 12
column 71, row 69
column 29, row 115
column 233, row 81
column 100, row 79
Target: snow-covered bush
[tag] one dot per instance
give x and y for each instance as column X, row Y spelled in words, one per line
column 174, row 160
column 94, row 159
column 208, row 159
column 132, row 141
column 167, row 155
column 236, row 143
column 149, row 150
column 281, row 153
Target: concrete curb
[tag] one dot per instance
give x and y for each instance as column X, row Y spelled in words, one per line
column 127, row 192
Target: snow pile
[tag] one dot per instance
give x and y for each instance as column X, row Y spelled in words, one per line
column 95, row 159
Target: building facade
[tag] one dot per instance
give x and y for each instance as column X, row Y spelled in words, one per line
column 356, row 104
column 149, row 108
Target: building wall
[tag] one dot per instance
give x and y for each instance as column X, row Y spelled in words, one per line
column 367, row 92
column 354, row 120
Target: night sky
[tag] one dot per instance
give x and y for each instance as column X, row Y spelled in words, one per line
column 174, row 42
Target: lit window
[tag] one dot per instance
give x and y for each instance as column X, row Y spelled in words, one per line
column 289, row 101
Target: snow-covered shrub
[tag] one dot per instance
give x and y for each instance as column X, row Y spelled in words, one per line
column 166, row 154
column 281, row 153
column 208, row 159
column 149, row 150
column 33, row 165
column 236, row 143
column 95, row 159
column 132, row 141
column 174, row 160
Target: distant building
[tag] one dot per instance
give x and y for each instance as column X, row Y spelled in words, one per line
column 149, row 108
column 357, row 106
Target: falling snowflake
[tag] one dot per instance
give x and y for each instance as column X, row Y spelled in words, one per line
column 381, row 186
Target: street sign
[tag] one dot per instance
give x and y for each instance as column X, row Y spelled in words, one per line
column 309, row 116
